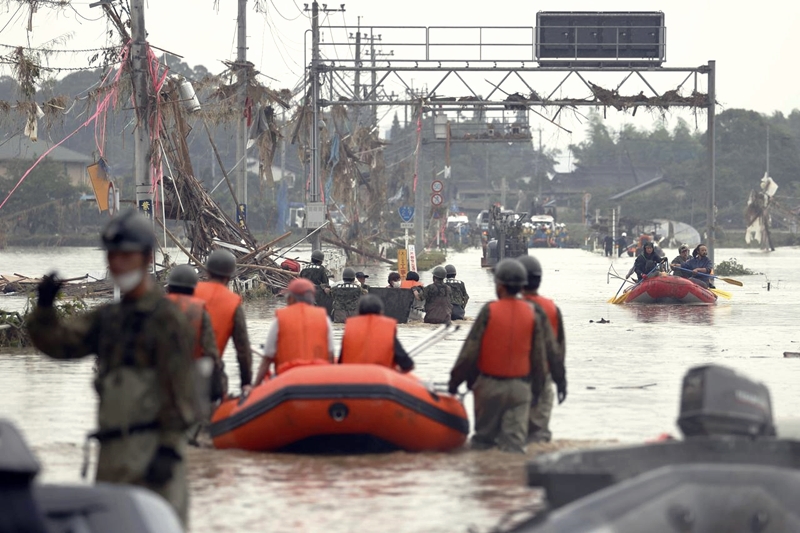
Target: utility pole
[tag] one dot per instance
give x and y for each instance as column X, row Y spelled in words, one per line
column 712, row 158
column 241, row 123
column 141, row 140
column 536, row 167
column 374, row 121
column 767, row 149
column 357, row 83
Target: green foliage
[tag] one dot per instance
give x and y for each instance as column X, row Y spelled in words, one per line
column 732, row 267
column 16, row 335
column 45, row 183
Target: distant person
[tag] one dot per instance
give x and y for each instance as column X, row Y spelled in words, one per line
column 676, row 264
column 345, row 296
column 412, row 282
column 437, row 296
column 395, row 281
column 608, row 245
column 362, row 279
column 622, row 244
column 458, row 293
column 699, row 265
column 371, row 338
column 315, row 272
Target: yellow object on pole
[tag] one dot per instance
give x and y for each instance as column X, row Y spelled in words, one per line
column 100, row 183
column 402, row 263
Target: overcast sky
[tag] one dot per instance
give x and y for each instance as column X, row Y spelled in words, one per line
column 755, row 44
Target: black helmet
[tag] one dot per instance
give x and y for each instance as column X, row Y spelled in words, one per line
column 531, row 264
column 221, row 263
column 317, row 255
column 129, row 232
column 182, row 276
column 450, row 269
column 511, row 273
column 439, row 272
column 348, row 274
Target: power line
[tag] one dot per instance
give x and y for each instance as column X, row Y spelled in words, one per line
column 281, row 14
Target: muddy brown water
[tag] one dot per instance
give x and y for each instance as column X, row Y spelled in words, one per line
column 624, row 379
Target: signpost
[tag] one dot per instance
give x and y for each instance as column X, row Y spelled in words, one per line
column 412, row 258
column 402, row 263
column 406, row 214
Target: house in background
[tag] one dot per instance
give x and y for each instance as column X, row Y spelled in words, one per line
column 21, row 148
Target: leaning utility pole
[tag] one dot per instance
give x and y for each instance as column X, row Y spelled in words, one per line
column 241, row 123
column 141, row 139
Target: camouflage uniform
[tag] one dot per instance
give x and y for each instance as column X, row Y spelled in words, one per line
column 438, row 308
column 458, row 297
column 345, row 300
column 145, row 382
column 488, row 412
column 316, row 274
column 539, row 421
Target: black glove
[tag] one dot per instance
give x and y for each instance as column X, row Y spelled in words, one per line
column 452, row 388
column 48, row 289
column 562, row 392
column 159, row 471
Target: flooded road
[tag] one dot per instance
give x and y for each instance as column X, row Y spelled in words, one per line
column 624, row 378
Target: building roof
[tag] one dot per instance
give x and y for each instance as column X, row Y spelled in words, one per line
column 20, row 147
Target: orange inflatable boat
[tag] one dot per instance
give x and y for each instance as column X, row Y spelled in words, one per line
column 341, row 409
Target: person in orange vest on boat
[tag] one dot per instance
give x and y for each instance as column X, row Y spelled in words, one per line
column 301, row 331
column 227, row 315
column 371, row 338
column 181, row 284
column 539, row 421
column 504, row 362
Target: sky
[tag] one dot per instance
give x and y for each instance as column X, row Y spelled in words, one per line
column 752, row 46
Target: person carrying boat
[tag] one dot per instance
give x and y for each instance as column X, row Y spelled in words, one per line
column 362, row 279
column 315, row 272
column 504, row 362
column 395, row 281
column 458, row 293
column 645, row 262
column 700, row 264
column 683, row 257
column 539, row 421
column 145, row 377
column 301, row 332
column 227, row 315
column 345, row 296
column 371, row 338
column 417, row 305
column 438, row 297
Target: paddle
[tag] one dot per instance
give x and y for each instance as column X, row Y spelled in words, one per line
column 724, row 294
column 611, row 301
column 437, row 335
column 726, row 280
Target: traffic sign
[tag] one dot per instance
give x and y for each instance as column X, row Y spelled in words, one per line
column 406, row 225
column 437, row 186
column 436, row 199
column 406, row 212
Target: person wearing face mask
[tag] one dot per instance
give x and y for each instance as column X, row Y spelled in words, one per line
column 394, row 281
column 700, row 264
column 504, row 362
column 227, row 314
column 145, row 377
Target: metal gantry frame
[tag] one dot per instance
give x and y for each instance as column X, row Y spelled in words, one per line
column 501, row 61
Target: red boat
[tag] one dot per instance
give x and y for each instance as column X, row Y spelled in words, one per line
column 666, row 289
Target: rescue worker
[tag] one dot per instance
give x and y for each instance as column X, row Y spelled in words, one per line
column 362, row 279
column 145, row 377
column 438, row 297
column 371, row 338
column 645, row 262
column 539, row 421
column 345, row 296
column 683, row 257
column 301, row 331
column 458, row 293
column 315, row 272
column 227, row 315
column 504, row 362
column 412, row 282
column 181, row 284
column 622, row 244
column 699, row 265
column 395, row 282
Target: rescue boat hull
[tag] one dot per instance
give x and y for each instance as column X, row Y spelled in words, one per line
column 669, row 290
column 341, row 409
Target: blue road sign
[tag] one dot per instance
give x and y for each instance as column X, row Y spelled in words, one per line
column 406, row 212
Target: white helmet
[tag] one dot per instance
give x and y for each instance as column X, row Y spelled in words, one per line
column 624, row 234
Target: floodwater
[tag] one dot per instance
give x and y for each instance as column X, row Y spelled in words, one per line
column 624, row 379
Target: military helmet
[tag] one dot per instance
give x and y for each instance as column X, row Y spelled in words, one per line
column 511, row 273
column 348, row 274
column 439, row 272
column 129, row 232
column 450, row 269
column 182, row 276
column 221, row 263
column 531, row 264
column 317, row 255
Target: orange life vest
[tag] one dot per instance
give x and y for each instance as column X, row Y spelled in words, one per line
column 302, row 334
column 407, row 284
column 506, row 343
column 221, row 304
column 369, row 340
column 193, row 309
column 549, row 308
